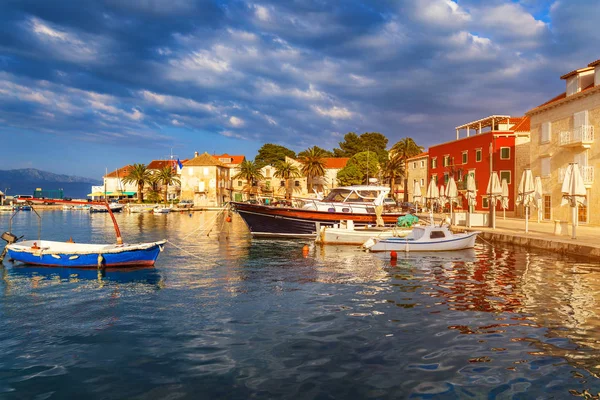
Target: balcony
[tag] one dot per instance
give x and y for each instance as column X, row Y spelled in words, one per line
column 587, row 173
column 582, row 136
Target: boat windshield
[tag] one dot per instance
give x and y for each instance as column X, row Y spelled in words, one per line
column 337, row 195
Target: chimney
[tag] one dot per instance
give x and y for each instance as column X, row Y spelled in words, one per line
column 195, row 154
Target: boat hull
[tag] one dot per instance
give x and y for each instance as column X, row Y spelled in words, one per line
column 354, row 237
column 112, row 256
column 458, row 242
column 293, row 222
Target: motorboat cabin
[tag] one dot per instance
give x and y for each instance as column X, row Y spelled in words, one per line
column 351, row 199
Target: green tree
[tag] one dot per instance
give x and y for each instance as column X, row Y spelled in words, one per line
column 368, row 141
column 313, row 165
column 271, row 154
column 322, row 152
column 393, row 169
column 139, row 176
column 251, row 173
column 359, row 169
column 405, row 149
column 167, row 176
column 287, row 171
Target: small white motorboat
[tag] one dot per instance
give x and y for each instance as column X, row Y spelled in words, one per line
column 346, row 233
column 425, row 238
column 161, row 210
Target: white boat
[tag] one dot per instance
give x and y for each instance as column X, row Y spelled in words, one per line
column 114, row 207
column 346, row 233
column 6, row 209
column 140, row 209
column 425, row 238
column 161, row 210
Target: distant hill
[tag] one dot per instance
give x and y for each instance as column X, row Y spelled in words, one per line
column 25, row 181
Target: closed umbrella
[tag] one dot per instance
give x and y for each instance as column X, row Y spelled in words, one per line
column 573, row 193
column 471, row 195
column 417, row 196
column 538, row 196
column 443, row 199
column 433, row 196
column 525, row 194
column 452, row 194
column 494, row 191
column 504, row 197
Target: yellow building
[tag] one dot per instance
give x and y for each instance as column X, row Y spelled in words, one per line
column 562, row 132
column 205, row 181
column 416, row 171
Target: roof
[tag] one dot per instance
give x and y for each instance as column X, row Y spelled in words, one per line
column 120, row 173
column 335, row 162
column 522, row 126
column 203, row 159
column 235, row 159
column 560, row 97
column 424, row 154
column 160, row 164
column 576, row 71
column 483, row 122
column 594, row 63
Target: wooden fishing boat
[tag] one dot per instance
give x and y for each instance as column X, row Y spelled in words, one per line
column 424, row 238
column 81, row 255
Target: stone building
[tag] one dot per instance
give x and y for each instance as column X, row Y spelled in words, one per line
column 205, row 181
column 416, row 171
column 563, row 132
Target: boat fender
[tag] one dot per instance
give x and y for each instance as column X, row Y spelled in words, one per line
column 305, row 250
column 73, row 257
column 393, row 255
column 161, row 248
column 100, row 261
column 55, row 256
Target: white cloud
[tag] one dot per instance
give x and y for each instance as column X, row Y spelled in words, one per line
column 236, row 122
column 333, row 112
column 262, row 13
column 441, row 13
column 175, row 103
column 176, row 122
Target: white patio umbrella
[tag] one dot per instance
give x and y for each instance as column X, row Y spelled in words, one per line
column 504, row 197
column 494, row 191
column 443, row 199
column 573, row 193
column 538, row 196
column 417, row 195
column 452, row 194
column 525, row 194
column 433, row 195
column 471, row 195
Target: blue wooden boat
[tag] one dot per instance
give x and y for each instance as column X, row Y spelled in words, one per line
column 80, row 255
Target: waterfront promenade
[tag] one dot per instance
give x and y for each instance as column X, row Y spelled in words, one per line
column 541, row 235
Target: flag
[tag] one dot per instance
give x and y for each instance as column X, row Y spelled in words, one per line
column 179, row 164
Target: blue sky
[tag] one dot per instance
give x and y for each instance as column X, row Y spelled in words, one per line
column 92, row 84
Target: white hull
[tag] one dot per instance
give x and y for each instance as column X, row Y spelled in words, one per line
column 355, row 237
column 421, row 240
column 161, row 210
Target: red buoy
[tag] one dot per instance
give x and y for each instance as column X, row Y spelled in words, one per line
column 228, row 219
column 393, row 255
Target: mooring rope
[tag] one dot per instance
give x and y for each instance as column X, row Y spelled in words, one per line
column 203, row 228
column 185, row 251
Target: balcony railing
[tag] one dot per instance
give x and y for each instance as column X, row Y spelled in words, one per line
column 587, row 173
column 580, row 136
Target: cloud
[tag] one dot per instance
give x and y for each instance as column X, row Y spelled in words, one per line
column 236, row 122
column 333, row 112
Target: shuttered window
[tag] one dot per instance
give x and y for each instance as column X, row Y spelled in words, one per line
column 505, row 175
column 546, row 132
column 545, row 166
column 580, row 119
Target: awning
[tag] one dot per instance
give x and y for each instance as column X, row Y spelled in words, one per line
column 100, row 194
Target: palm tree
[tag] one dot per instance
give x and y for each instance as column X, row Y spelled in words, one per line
column 286, row 170
column 405, row 149
column 250, row 172
column 138, row 175
column 167, row 176
column 393, row 168
column 313, row 165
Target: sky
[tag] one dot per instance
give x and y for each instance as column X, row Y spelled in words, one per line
column 89, row 85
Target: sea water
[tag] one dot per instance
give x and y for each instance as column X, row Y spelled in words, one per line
column 223, row 316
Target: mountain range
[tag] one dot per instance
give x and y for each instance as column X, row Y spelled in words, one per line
column 25, row 181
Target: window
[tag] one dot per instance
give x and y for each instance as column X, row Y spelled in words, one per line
column 437, row 235
column 414, row 165
column 297, row 183
column 582, row 212
column 446, row 160
column 546, row 132
column 282, row 184
column 422, row 163
column 446, row 177
column 205, row 171
column 505, row 153
column 547, row 207
column 484, row 202
column 434, row 162
column 268, row 173
column 465, row 156
column 239, row 183
column 505, row 175
column 460, row 174
column 478, row 155
column 422, row 182
column 191, row 171
column 545, row 166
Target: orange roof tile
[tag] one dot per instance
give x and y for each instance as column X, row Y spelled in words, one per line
column 120, row 173
column 160, row 164
column 594, row 63
column 522, row 126
column 203, row 160
column 335, row 162
column 237, row 159
column 418, row 156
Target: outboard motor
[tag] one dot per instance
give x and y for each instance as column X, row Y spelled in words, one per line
column 9, row 238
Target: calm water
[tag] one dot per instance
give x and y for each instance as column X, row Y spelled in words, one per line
column 232, row 318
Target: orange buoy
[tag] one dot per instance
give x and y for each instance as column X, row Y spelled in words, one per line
column 393, row 255
column 305, row 251
column 228, row 219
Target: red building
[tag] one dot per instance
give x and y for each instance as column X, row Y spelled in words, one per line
column 490, row 144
